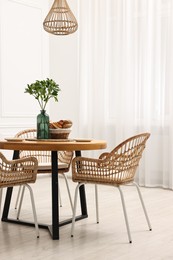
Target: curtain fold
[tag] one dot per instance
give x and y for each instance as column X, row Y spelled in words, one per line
column 126, row 78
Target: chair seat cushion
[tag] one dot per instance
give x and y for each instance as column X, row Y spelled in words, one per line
column 47, row 166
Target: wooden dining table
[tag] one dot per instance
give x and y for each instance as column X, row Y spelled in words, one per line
column 54, row 146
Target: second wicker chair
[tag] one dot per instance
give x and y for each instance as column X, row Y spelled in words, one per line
column 16, row 173
column 115, row 168
column 44, row 161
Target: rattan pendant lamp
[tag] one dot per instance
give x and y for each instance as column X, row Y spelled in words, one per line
column 60, row 19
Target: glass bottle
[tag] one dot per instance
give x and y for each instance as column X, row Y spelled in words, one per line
column 43, row 125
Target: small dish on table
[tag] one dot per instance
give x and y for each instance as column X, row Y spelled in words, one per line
column 83, row 140
column 14, row 139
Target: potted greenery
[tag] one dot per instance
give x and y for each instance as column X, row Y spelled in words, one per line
column 42, row 91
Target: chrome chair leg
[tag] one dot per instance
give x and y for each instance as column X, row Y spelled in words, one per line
column 33, row 209
column 21, row 200
column 33, row 206
column 74, row 208
column 97, row 206
column 125, row 214
column 1, row 190
column 18, row 196
column 59, row 194
column 143, row 205
column 68, row 190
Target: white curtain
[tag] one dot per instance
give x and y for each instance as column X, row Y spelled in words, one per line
column 126, row 79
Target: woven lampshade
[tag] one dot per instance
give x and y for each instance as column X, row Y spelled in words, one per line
column 60, row 19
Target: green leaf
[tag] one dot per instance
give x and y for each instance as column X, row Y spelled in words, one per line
column 43, row 90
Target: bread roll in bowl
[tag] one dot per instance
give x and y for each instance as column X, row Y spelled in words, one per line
column 67, row 124
column 61, row 124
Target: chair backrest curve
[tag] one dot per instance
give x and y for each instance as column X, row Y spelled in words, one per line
column 124, row 159
column 43, row 156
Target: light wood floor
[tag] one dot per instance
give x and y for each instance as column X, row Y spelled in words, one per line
column 104, row 241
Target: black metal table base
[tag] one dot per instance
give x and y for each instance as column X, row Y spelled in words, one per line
column 44, row 226
column 54, row 228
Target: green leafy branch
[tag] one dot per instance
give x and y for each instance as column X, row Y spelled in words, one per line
column 43, row 90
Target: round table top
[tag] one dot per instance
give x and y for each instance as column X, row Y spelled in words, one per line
column 51, row 145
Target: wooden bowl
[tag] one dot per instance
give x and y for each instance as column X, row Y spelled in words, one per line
column 59, row 133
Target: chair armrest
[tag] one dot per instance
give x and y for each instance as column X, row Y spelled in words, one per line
column 103, row 156
column 17, row 172
column 89, row 169
column 83, row 168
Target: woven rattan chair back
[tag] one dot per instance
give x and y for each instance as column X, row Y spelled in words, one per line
column 44, row 156
column 124, row 159
column 117, row 167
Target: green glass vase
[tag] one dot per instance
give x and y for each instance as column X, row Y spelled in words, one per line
column 43, row 125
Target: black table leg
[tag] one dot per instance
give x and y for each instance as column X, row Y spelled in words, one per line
column 82, row 194
column 54, row 229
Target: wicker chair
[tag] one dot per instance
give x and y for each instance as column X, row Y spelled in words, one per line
column 115, row 168
column 16, row 173
column 44, row 161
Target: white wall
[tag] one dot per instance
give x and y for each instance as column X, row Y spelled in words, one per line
column 25, row 49
column 63, row 69
column 24, row 57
